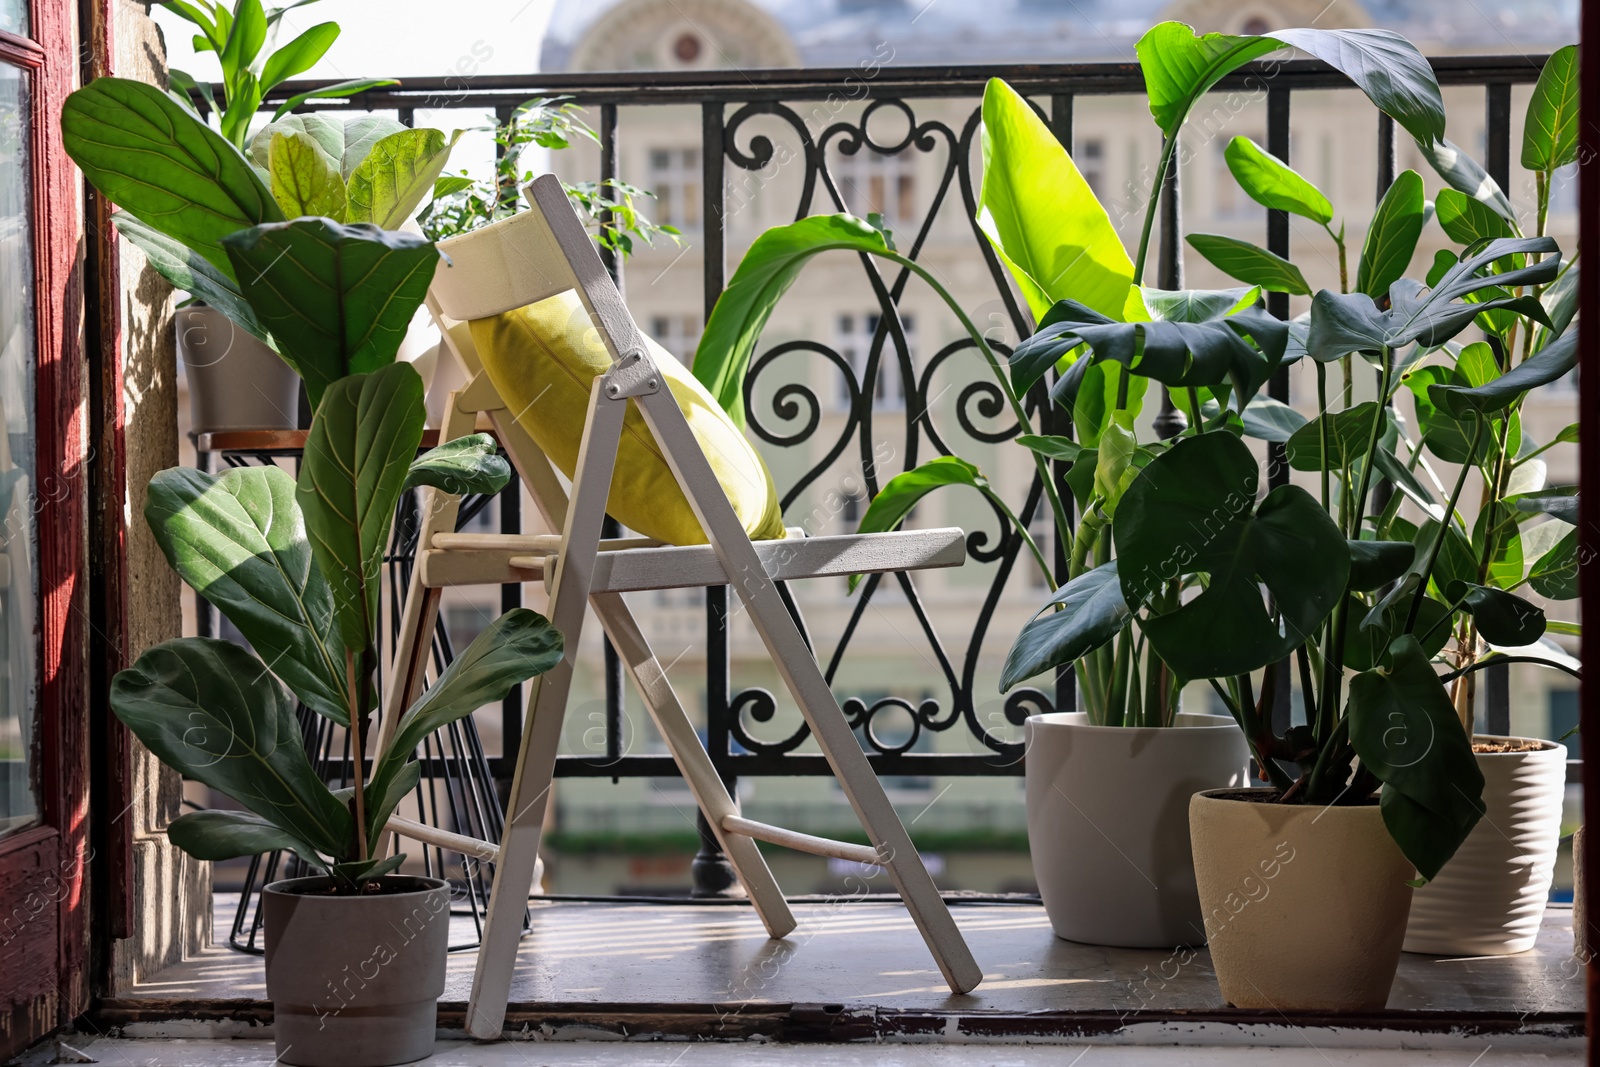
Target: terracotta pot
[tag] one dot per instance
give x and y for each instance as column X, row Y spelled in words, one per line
column 355, row 981
column 235, row 381
column 1490, row 898
column 1305, row 906
column 1108, row 823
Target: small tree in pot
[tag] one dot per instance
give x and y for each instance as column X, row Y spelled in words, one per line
column 295, row 566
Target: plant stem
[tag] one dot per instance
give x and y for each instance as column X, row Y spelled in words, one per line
column 358, row 754
column 1194, row 408
column 1322, row 430
column 1344, row 267
column 1444, row 525
column 1167, row 148
column 1027, row 538
column 1482, row 663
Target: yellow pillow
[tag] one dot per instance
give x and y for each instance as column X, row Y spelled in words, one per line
column 544, row 358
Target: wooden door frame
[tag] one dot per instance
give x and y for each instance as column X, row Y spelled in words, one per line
column 44, row 872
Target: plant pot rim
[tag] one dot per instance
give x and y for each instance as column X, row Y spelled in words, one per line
column 1058, row 720
column 1231, row 796
column 1545, row 746
column 291, row 887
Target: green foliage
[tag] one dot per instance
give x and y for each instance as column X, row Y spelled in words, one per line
column 1084, row 615
column 1250, row 263
column 1550, row 131
column 1273, row 184
column 1392, row 237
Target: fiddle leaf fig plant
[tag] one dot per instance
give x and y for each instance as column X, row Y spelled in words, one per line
column 294, row 565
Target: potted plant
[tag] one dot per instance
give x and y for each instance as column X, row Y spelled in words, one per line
column 355, row 955
column 1107, row 786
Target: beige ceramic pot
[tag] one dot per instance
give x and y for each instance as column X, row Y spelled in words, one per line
column 1490, row 898
column 1305, row 907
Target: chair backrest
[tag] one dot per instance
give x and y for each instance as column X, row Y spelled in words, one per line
column 531, row 256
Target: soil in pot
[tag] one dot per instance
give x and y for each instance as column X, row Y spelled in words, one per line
column 1108, row 825
column 1490, row 898
column 355, row 980
column 1305, row 906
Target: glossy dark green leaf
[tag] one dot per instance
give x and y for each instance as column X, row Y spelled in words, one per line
column 226, row 835
column 1392, row 237
column 1550, row 130
column 1192, row 511
column 1443, row 434
column 1560, row 298
column 1369, row 640
column 1267, row 419
column 1550, row 363
column 239, row 540
column 397, row 176
column 1467, row 175
column 1345, row 323
column 1093, row 611
column 1180, row 65
column 1374, row 564
column 190, row 272
column 1040, row 214
column 213, row 712
column 362, row 441
column 151, row 156
column 1563, row 506
column 1503, row 618
column 1465, row 220
column 1249, row 263
column 469, row 464
column 1406, row 733
column 337, row 298
column 1272, row 183
column 1554, row 575
column 1347, row 433
column 519, row 645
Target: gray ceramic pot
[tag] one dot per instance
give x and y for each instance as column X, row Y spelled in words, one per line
column 355, row 981
column 235, row 381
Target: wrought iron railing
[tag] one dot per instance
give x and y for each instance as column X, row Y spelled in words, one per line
column 727, row 101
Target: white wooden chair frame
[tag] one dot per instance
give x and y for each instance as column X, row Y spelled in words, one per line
column 527, row 258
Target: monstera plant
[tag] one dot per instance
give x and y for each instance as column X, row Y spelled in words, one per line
column 295, row 565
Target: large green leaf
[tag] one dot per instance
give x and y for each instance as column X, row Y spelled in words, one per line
column 397, row 175
column 211, row 711
column 1374, row 564
column 151, row 156
column 1467, row 175
column 1345, row 433
column 1192, row 511
column 1242, row 349
column 1345, row 323
column 347, row 140
column 1180, row 65
column 1250, row 263
column 362, row 441
column 1554, row 575
column 1092, row 613
column 1465, row 220
column 299, row 55
column 1553, row 361
column 305, row 178
column 1503, row 618
column 1392, row 237
column 519, row 645
column 1550, row 132
column 468, row 464
column 338, row 299
column 190, row 272
column 226, row 835
column 1196, row 305
column 1405, row 730
column 1272, row 183
column 765, row 273
column 238, row 539
column 1041, row 215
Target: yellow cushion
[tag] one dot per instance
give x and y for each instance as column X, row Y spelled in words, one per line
column 543, row 359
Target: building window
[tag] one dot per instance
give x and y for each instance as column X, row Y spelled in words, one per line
column 675, row 181
column 1091, row 161
column 853, row 337
column 686, row 48
column 870, row 183
column 678, row 334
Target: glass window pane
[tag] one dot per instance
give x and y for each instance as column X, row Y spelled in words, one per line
column 18, row 584
column 14, row 17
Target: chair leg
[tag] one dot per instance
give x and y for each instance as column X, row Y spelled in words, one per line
column 536, row 762
column 799, row 670
column 693, row 762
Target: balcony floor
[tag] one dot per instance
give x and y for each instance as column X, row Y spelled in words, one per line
column 858, row 971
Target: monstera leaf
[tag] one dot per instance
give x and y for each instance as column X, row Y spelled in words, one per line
column 1405, row 730
column 212, row 711
column 1553, row 361
column 337, row 298
column 239, row 540
column 1193, row 511
column 154, row 157
column 1345, row 323
column 1092, row 612
column 362, row 443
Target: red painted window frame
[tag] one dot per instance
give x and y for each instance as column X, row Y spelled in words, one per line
column 44, row 870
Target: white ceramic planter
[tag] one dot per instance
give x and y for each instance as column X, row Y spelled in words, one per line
column 235, row 381
column 1108, row 823
column 1490, row 898
column 1305, row 905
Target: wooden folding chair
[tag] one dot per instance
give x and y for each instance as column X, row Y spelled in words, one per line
column 514, row 263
